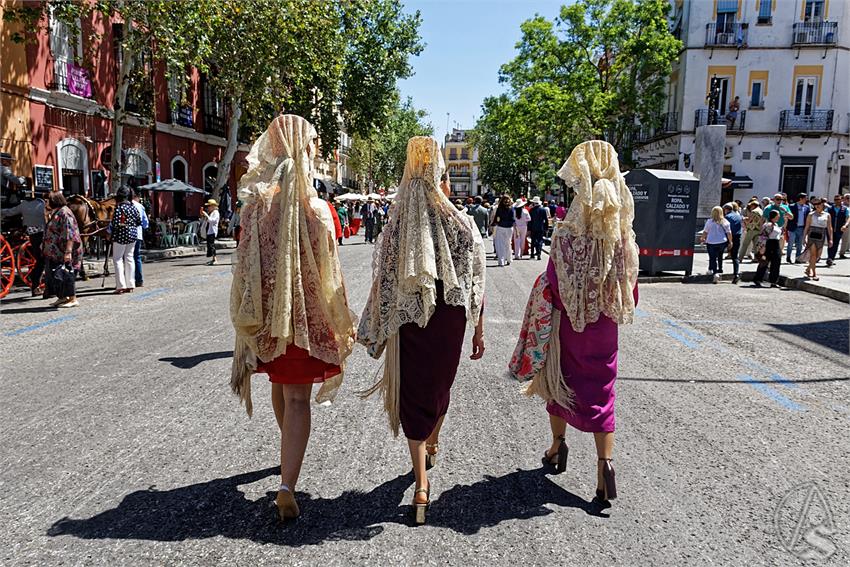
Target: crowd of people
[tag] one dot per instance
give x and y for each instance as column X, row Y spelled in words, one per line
column 763, row 229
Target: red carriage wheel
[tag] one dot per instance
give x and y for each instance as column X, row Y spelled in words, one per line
column 25, row 262
column 7, row 267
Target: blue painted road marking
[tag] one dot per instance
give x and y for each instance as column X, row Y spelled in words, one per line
column 38, row 326
column 771, row 393
column 682, row 339
column 151, row 293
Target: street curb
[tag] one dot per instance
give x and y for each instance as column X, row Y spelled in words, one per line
column 800, row 284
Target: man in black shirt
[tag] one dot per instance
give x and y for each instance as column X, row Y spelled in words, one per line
column 537, row 227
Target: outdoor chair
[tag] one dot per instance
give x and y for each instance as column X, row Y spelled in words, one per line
column 189, row 236
column 166, row 239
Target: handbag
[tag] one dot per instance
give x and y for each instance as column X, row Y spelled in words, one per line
column 816, row 235
column 63, row 278
column 347, row 232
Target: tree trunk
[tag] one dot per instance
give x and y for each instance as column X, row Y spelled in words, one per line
column 119, row 113
column 232, row 144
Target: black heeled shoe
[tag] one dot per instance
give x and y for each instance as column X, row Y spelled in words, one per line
column 608, row 491
column 559, row 459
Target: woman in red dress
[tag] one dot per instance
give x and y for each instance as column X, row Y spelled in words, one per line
column 288, row 302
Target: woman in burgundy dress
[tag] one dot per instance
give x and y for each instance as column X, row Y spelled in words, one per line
column 588, row 289
column 288, row 302
column 428, row 288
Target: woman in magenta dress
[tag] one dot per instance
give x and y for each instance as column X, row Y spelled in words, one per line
column 588, row 289
column 288, row 302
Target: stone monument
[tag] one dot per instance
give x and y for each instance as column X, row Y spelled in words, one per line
column 709, row 150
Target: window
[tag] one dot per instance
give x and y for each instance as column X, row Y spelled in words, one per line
column 765, row 9
column 67, row 51
column 453, row 153
column 813, row 11
column 179, row 169
column 464, row 153
column 181, row 114
column 756, row 95
column 804, row 96
column 213, row 110
column 727, row 12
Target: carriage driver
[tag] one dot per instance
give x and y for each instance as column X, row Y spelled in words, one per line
column 10, row 183
column 31, row 210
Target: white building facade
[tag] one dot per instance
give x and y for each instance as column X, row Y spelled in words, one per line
column 788, row 63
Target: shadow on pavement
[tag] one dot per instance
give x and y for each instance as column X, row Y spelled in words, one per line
column 187, row 362
column 833, row 335
column 218, row 508
column 735, row 381
column 19, row 310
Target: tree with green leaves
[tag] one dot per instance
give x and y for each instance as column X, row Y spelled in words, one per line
column 594, row 72
column 381, row 156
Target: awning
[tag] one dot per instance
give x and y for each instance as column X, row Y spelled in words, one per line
column 171, row 185
column 329, row 186
column 741, row 182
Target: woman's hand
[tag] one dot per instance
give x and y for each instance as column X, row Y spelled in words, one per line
column 68, row 257
column 477, row 343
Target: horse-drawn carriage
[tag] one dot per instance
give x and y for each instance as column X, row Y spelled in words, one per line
column 16, row 259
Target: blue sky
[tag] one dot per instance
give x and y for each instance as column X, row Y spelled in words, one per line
column 466, row 43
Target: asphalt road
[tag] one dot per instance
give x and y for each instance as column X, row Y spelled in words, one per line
column 122, row 443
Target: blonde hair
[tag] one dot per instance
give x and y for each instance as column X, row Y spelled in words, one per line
column 717, row 214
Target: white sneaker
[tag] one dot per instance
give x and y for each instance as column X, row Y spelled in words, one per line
column 74, row 303
column 716, row 278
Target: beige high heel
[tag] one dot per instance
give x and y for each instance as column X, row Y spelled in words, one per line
column 421, row 509
column 287, row 508
column 431, row 458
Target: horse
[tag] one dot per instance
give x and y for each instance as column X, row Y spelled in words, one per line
column 92, row 218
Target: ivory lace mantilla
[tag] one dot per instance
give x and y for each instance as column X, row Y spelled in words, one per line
column 594, row 247
column 426, row 240
column 287, row 282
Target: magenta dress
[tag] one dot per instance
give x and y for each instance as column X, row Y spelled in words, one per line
column 589, row 366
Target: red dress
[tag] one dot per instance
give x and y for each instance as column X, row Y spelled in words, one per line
column 296, row 366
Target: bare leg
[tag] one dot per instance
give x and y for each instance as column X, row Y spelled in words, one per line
column 559, row 429
column 295, row 432
column 604, row 450
column 417, row 455
column 813, row 262
column 278, row 404
column 434, row 439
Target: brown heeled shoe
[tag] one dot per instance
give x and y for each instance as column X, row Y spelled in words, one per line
column 608, row 491
column 559, row 459
column 287, row 508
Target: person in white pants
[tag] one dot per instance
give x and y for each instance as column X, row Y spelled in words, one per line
column 124, row 230
column 523, row 217
column 504, row 221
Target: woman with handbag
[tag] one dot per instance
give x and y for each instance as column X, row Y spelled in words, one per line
column 63, row 252
column 818, row 232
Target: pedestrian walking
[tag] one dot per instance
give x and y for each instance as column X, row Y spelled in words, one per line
column 288, row 302
column 137, row 251
column 342, row 212
column 236, row 222
column 838, row 217
column 355, row 212
column 845, row 230
column 211, row 217
column 480, row 215
column 504, row 221
column 124, row 230
column 31, row 210
column 63, row 252
column 753, row 220
column 429, row 287
column 568, row 343
column 367, row 213
column 561, row 211
column 817, row 234
column 796, row 227
column 537, row 226
column 770, row 250
column 717, row 236
column 520, row 229
column 736, row 226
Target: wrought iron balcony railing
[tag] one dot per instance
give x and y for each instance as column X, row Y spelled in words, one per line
column 214, row 125
column 733, row 123
column 726, row 35
column 668, row 123
column 815, row 33
column 798, row 121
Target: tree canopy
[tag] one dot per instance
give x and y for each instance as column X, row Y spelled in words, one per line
column 594, row 72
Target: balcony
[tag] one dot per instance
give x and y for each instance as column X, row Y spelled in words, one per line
column 182, row 116
column 459, row 173
column 666, row 125
column 70, row 78
column 214, row 125
column 733, row 124
column 814, row 121
column 726, row 35
column 815, row 33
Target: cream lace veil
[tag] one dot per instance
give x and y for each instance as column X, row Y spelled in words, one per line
column 287, row 283
column 426, row 240
column 594, row 247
